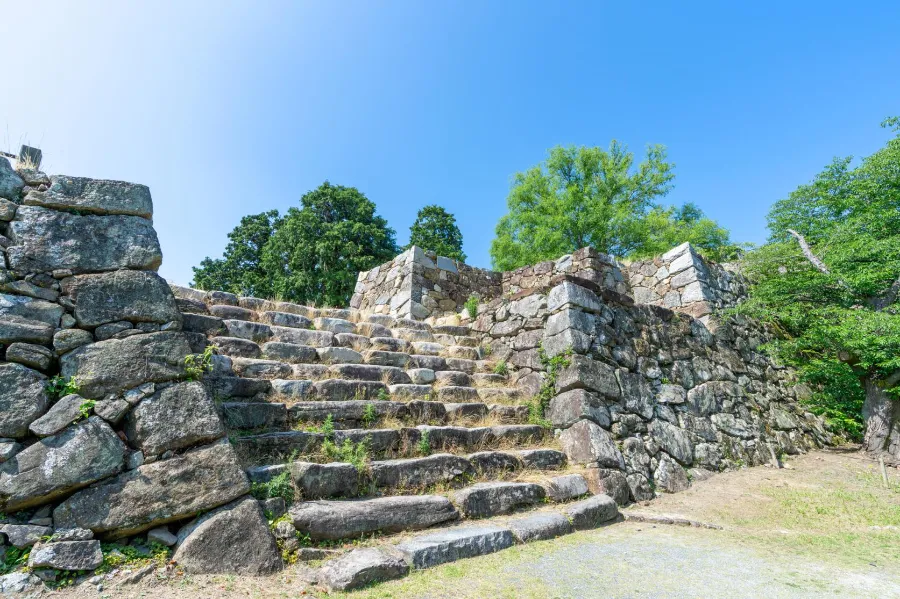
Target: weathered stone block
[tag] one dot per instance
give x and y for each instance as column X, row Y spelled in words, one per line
column 362, row 567
column 30, row 308
column 591, row 512
column 67, row 555
column 490, row 499
column 455, row 543
column 583, row 372
column 131, row 295
column 176, row 417
column 23, row 399
column 586, row 443
column 96, row 196
column 568, row 408
column 47, row 240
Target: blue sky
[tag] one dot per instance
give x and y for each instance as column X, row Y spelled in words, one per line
column 231, row 108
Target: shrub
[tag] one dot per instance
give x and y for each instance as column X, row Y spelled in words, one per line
column 472, row 306
column 60, row 386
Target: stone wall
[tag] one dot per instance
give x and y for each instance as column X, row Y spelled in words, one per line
column 102, row 434
column 683, row 281
column 649, row 398
column 418, row 284
column 586, row 263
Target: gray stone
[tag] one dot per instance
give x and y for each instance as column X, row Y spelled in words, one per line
column 489, row 463
column 80, row 455
column 339, row 389
column 586, row 443
column 11, row 183
column 68, row 339
column 591, row 512
column 25, row 535
column 72, row 534
column 95, row 196
column 112, row 329
column 16, row 329
column 31, row 290
column 46, row 240
column 539, row 527
column 669, row 476
column 583, row 372
column 7, row 208
column 157, row 493
column 234, row 539
column 263, row 369
column 636, row 392
column 735, row 427
column 237, row 348
column 671, row 394
column 451, row 544
column 23, row 399
column 490, row 499
column 334, row 325
column 28, row 354
column 285, row 319
column 30, row 308
column 130, row 295
column 302, row 336
column 63, row 413
column 329, row 520
column 419, row 473
column 289, row 352
column 112, row 410
column 362, row 567
column 67, row 555
column 566, row 488
column 317, row 481
column 118, row 364
column 8, row 448
column 295, row 390
column 339, row 355
column 541, row 459
column 254, row 415
column 674, row 441
column 568, row 408
column 202, row 323
column 575, row 296
column 161, row 535
column 177, row 417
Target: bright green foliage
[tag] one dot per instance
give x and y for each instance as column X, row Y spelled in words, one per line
column 316, row 253
column 60, row 386
column 424, row 444
column 599, row 198
column 538, row 406
column 85, row 408
column 472, row 306
column 278, row 486
column 501, row 368
column 369, row 415
column 841, row 327
column 435, row 229
column 14, row 558
column 197, row 365
column 348, row 451
column 240, row 269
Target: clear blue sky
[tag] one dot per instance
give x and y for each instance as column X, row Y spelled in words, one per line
column 231, row 108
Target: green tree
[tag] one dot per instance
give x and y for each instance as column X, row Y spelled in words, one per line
column 435, row 229
column 829, row 279
column 664, row 228
column 318, row 250
column 580, row 197
column 240, row 268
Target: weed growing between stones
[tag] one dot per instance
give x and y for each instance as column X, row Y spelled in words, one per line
column 501, row 368
column 197, row 365
column 278, row 486
column 117, row 556
column 13, row 559
column 348, row 451
column 537, row 407
column 85, row 408
column 424, row 445
column 60, row 386
column 472, row 306
column 369, row 416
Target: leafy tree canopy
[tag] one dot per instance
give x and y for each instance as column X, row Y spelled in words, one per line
column 600, row 198
column 435, row 229
column 316, row 253
column 829, row 278
column 240, row 270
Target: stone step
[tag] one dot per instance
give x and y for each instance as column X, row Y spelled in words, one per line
column 483, row 500
column 451, row 544
column 334, row 325
column 275, row 447
column 370, row 372
column 453, row 377
column 388, row 343
column 412, row 335
column 379, row 357
column 333, row 520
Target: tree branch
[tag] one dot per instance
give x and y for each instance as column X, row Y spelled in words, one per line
column 809, row 253
column 890, row 297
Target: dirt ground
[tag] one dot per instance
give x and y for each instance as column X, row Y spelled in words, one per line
column 825, row 525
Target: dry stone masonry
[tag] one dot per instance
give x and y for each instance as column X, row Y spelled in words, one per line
column 245, row 433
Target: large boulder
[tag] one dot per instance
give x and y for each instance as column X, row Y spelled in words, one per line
column 586, row 443
column 96, row 196
column 179, row 416
column 583, row 372
column 568, row 408
column 45, row 240
column 233, row 539
column 157, row 493
column 483, row 500
column 63, row 413
column 669, row 476
column 23, row 399
column 11, row 183
column 117, row 364
column 30, row 308
column 674, row 441
column 80, row 455
column 131, row 295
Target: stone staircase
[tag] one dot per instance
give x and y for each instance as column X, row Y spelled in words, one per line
column 383, row 425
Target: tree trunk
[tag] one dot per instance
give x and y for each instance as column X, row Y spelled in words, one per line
column 881, row 414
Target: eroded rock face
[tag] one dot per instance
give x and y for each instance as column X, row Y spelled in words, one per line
column 130, row 295
column 232, row 539
column 362, row 567
column 23, row 399
column 157, row 493
column 117, row 364
column 81, row 454
column 586, row 443
column 96, row 196
column 67, row 555
column 30, row 308
column 179, row 416
column 11, row 183
column 45, row 240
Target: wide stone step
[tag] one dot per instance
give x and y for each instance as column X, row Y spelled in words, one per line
column 369, row 372
column 285, row 319
column 453, row 377
column 261, row 369
column 334, row 325
column 379, row 357
column 332, row 520
column 340, row 389
column 254, row 415
column 412, row 335
column 457, row 331
column 388, row 343
column 484, row 500
column 451, row 544
column 346, row 414
column 502, row 394
column 457, row 394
